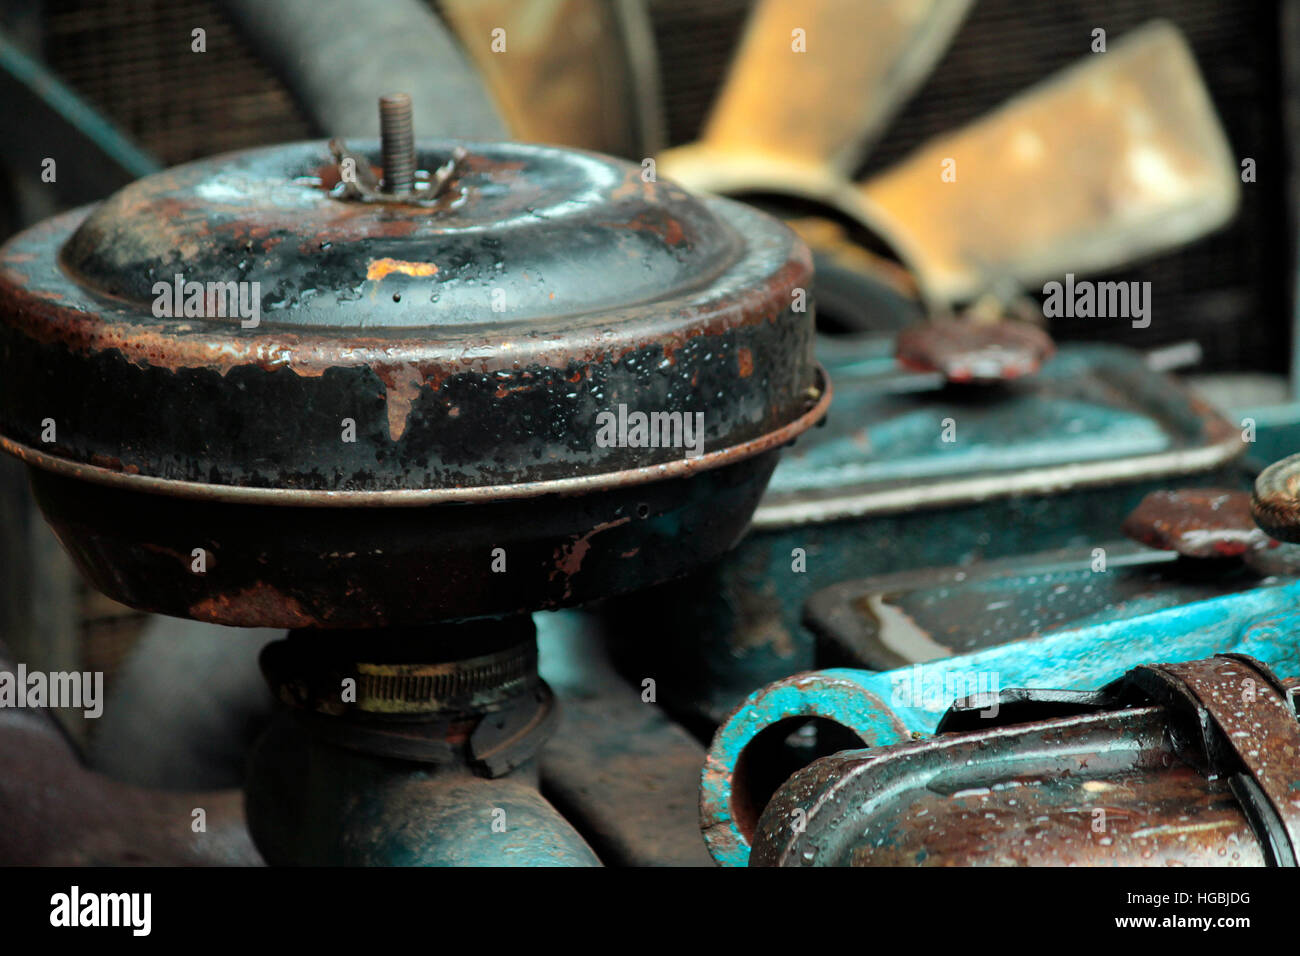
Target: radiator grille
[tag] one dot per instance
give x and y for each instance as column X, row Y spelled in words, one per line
column 133, row 61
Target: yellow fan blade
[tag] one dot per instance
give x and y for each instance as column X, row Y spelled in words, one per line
column 573, row 72
column 813, row 83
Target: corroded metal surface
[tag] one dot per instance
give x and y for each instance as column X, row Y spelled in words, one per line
column 968, row 351
column 470, row 347
column 969, row 812
column 339, row 567
column 885, row 707
column 1038, row 464
column 1276, row 505
column 895, row 620
column 1245, row 724
column 394, row 361
column 1152, row 770
column 1198, row 523
column 463, row 695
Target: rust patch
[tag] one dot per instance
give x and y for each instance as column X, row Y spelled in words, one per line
column 966, row 351
column 1198, row 523
column 259, row 605
column 379, row 268
column 569, row 557
column 403, row 384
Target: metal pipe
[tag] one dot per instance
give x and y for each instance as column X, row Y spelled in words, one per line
column 338, row 56
column 58, row 813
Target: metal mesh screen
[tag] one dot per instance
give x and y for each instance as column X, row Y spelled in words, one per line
column 133, row 61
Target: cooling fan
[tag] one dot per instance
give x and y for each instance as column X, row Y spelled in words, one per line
column 1117, row 157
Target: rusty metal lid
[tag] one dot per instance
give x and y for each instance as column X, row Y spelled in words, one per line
column 465, row 342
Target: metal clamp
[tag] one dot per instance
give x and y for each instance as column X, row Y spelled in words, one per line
column 1241, row 721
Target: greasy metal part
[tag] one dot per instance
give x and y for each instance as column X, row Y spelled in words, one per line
column 45, row 119
column 896, row 620
column 358, row 181
column 798, row 121
column 1276, row 505
column 407, row 747
column 1245, row 722
column 1116, row 157
column 58, row 813
column 464, row 695
column 351, row 394
column 312, row 803
column 973, row 352
column 1125, row 424
column 624, row 774
column 397, row 142
column 599, row 274
column 819, row 398
column 337, row 58
column 572, row 72
column 1198, row 523
column 884, row 708
column 1049, row 462
column 374, row 566
column 412, row 673
column 1152, row 770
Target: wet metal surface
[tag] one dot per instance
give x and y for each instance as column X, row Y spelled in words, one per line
column 559, row 286
column 405, row 355
column 1050, row 462
column 965, row 351
column 1093, row 415
column 883, row 708
column 1198, row 523
column 1122, row 782
column 376, row 566
column 915, row 616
